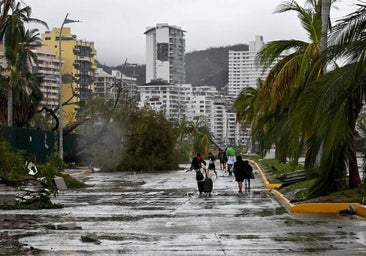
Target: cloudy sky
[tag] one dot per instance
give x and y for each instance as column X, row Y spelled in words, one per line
column 117, row 26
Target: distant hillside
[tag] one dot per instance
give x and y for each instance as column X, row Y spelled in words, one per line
column 210, row 67
column 206, row 67
column 138, row 71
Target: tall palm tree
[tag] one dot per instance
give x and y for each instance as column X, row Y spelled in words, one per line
column 343, row 90
column 25, row 85
column 287, row 78
column 17, row 42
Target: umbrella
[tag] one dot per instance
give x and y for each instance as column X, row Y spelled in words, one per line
column 230, row 152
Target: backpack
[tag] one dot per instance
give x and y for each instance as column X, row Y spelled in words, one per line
column 199, row 175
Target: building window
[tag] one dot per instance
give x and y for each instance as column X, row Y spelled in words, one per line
column 163, row 49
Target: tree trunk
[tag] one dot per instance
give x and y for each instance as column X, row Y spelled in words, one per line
column 354, row 174
column 10, row 106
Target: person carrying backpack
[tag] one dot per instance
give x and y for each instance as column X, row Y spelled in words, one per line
column 210, row 172
column 197, row 164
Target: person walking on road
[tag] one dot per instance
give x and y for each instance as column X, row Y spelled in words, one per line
column 242, row 172
column 248, row 174
column 197, row 164
column 211, row 162
column 230, row 163
column 210, row 172
column 223, row 159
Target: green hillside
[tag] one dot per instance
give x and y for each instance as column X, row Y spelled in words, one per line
column 206, row 67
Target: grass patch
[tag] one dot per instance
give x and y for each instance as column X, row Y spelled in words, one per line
column 299, row 191
column 273, row 169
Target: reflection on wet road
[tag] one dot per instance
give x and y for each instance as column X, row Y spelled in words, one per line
column 161, row 214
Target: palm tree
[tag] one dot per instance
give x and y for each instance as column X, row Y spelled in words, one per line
column 246, row 106
column 25, row 85
column 17, row 40
column 343, row 90
column 287, row 78
column 5, row 6
column 200, row 134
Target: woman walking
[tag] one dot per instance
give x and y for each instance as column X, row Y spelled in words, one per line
column 242, row 172
column 197, row 164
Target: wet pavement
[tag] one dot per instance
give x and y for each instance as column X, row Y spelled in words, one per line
column 162, row 214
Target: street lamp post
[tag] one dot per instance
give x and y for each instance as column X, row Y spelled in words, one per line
column 60, row 119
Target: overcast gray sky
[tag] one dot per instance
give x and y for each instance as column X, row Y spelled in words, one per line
column 117, row 26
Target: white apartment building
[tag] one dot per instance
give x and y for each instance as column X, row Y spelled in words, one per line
column 169, row 98
column 202, row 103
column 165, row 49
column 109, row 85
column 129, row 84
column 104, row 84
column 47, row 67
column 210, row 106
column 243, row 70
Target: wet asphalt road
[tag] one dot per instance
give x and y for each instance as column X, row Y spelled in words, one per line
column 162, row 214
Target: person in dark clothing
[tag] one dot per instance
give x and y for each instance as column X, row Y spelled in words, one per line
column 247, row 174
column 220, row 156
column 211, row 171
column 197, row 164
column 211, row 163
column 242, row 172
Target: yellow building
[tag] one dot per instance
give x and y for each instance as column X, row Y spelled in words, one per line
column 78, row 68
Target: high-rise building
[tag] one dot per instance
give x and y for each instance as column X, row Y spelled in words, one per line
column 47, row 68
column 112, row 86
column 165, row 49
column 167, row 98
column 78, row 67
column 243, row 69
column 244, row 72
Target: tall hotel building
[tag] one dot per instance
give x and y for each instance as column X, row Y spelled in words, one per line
column 47, row 67
column 243, row 70
column 165, row 49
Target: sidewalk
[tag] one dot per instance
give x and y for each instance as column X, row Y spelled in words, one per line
column 332, row 208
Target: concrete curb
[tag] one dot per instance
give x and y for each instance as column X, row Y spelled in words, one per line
column 330, row 208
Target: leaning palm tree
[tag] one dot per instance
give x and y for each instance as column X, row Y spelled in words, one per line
column 200, row 134
column 246, row 106
column 343, row 91
column 293, row 65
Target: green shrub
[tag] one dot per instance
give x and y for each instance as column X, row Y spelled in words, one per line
column 11, row 163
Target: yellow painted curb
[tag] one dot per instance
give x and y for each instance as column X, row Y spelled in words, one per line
column 264, row 178
column 319, row 207
column 331, row 208
column 273, row 185
column 282, row 200
column 360, row 210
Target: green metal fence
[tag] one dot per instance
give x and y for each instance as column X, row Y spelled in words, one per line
column 37, row 143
